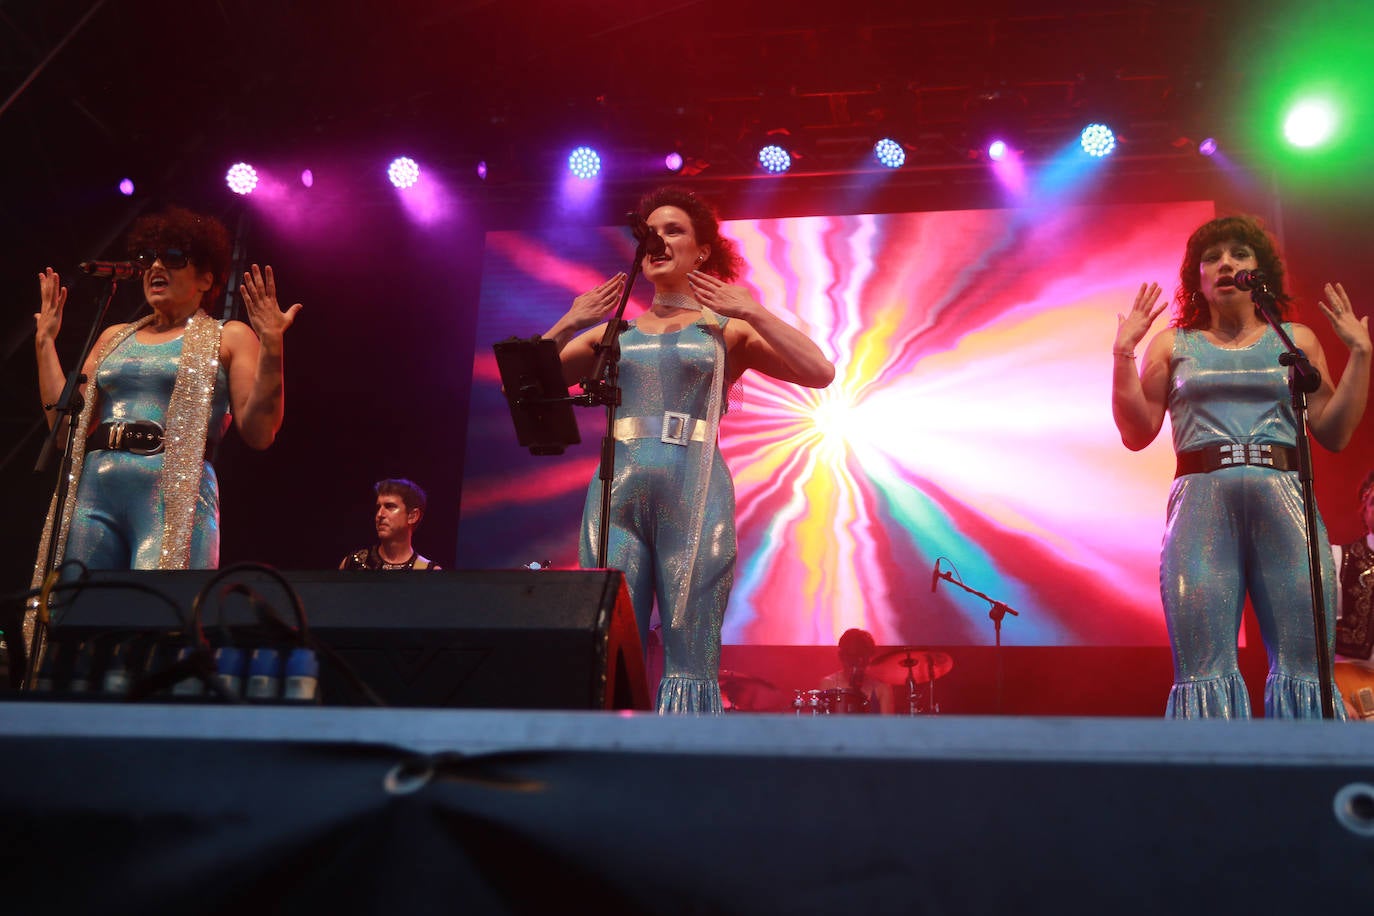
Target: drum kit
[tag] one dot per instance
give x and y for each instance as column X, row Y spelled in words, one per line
column 911, row 671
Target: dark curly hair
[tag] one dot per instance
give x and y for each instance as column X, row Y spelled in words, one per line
column 203, row 238
column 1192, row 307
column 724, row 260
column 1365, row 486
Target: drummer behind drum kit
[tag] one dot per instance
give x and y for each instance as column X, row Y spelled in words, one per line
column 911, row 672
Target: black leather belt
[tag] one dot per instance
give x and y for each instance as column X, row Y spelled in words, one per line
column 138, row 437
column 1235, row 454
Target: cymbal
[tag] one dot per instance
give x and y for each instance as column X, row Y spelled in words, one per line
column 747, row 693
column 924, row 664
column 730, row 679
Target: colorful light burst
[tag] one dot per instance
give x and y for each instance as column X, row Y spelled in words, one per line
column 969, row 422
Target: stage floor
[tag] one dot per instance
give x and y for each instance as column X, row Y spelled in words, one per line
column 485, row 731
column 206, row 809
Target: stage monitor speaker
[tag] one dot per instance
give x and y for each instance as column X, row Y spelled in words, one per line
column 498, row 639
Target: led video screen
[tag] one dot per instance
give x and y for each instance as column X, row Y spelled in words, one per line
column 969, row 424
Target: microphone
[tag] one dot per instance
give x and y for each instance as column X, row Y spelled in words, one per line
column 115, row 270
column 1251, row 279
column 651, row 240
column 935, row 576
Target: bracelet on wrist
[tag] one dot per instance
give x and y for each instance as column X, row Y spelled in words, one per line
column 1123, row 354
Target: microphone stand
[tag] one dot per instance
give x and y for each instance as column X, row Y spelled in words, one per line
column 68, row 408
column 601, row 386
column 1302, row 380
column 996, row 612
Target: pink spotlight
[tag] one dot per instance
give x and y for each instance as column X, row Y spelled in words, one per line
column 308, row 178
column 1207, row 147
column 403, row 172
column 126, row 187
column 997, row 150
column 673, row 162
column 242, row 178
column 482, row 170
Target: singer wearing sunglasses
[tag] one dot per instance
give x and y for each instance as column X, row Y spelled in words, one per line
column 160, row 394
column 1236, row 522
column 672, row 524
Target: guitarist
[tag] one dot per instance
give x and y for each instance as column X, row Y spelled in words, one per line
column 1355, row 613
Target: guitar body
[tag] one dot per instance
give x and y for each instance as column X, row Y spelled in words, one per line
column 1356, row 684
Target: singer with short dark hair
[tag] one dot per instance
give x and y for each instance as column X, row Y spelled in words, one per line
column 160, row 394
column 1236, row 522
column 672, row 522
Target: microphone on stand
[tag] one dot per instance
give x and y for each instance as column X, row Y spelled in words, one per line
column 1248, row 280
column 935, row 576
column 115, row 270
column 651, row 240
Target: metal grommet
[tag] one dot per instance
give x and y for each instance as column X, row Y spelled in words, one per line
column 409, row 776
column 1354, row 808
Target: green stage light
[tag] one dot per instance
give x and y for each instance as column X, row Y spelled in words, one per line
column 1310, row 123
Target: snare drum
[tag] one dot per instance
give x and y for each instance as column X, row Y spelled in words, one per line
column 835, row 702
column 843, row 701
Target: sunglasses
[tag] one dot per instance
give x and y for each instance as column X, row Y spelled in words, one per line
column 171, row 258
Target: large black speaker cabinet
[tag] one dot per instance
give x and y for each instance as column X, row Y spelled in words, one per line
column 500, row 639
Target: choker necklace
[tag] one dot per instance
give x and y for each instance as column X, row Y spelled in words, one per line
column 677, row 301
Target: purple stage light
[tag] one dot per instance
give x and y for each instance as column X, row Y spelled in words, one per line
column 308, row 178
column 482, row 170
column 997, row 150
column 403, row 172
column 673, row 162
column 126, row 187
column 775, row 159
column 1207, row 147
column 242, row 178
column 584, row 163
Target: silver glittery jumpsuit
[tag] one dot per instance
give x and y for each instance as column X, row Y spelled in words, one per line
column 655, row 494
column 119, row 513
column 1234, row 531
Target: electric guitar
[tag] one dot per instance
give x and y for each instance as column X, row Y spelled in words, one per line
column 1356, row 684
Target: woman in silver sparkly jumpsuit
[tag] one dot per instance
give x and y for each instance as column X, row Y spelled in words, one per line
column 143, row 492
column 1236, row 520
column 672, row 528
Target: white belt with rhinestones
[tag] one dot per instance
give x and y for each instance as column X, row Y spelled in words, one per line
column 673, row 428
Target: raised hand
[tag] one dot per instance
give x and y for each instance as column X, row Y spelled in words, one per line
column 1132, row 327
column 723, row 298
column 1353, row 332
column 52, row 296
column 596, row 304
column 260, row 297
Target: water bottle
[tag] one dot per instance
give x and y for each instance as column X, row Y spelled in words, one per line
column 189, row 685
column 116, row 680
column 264, row 675
column 302, row 676
column 229, row 670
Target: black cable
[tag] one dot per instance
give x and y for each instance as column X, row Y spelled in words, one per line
column 269, row 616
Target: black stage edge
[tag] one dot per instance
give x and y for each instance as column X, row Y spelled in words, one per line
column 179, row 809
column 491, row 639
